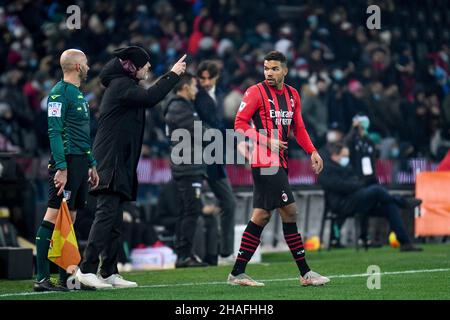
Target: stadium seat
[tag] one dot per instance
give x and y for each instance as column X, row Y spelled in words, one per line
column 333, row 217
column 8, row 234
column 16, row 263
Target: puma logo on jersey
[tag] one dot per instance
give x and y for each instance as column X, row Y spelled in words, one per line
column 271, row 101
column 80, row 97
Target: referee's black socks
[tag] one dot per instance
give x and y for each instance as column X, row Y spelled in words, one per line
column 249, row 242
column 295, row 243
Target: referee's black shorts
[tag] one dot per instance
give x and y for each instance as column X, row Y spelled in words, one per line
column 271, row 191
column 77, row 182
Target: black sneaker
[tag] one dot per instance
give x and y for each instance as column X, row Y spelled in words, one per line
column 47, row 285
column 212, row 260
column 336, row 244
column 411, row 203
column 367, row 243
column 190, row 262
column 409, row 247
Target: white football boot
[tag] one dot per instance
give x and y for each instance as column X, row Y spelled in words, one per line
column 243, row 280
column 312, row 278
column 91, row 280
column 117, row 281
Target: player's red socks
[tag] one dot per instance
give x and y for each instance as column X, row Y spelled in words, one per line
column 249, row 242
column 295, row 243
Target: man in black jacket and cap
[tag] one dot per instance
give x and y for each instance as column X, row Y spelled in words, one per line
column 117, row 148
column 188, row 169
column 347, row 194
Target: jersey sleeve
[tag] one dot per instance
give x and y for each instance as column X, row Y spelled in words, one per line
column 249, row 105
column 56, row 112
column 300, row 133
column 91, row 159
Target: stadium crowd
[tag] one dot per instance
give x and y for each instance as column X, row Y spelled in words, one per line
column 399, row 76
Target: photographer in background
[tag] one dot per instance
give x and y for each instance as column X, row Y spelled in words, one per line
column 363, row 158
column 362, row 149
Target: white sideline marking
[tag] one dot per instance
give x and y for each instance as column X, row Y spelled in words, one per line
column 189, row 284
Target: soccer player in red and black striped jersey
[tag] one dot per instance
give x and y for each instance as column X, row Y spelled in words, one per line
column 268, row 112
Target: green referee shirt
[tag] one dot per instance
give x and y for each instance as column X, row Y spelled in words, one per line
column 68, row 124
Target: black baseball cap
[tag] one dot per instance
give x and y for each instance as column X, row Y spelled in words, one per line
column 137, row 55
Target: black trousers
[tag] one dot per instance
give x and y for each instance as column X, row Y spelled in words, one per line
column 375, row 201
column 206, row 238
column 105, row 236
column 227, row 202
column 190, row 207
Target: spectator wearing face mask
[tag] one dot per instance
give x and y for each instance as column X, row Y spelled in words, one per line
column 363, row 157
column 362, row 149
column 347, row 195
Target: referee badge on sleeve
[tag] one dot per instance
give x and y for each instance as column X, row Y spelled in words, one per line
column 54, row 109
column 67, row 194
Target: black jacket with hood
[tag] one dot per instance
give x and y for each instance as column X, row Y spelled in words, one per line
column 118, row 142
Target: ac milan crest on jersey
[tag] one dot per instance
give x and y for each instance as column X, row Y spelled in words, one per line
column 284, row 196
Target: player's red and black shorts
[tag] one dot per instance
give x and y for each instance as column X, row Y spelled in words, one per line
column 77, row 182
column 271, row 191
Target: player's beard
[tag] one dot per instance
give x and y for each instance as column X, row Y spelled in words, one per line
column 142, row 77
column 274, row 82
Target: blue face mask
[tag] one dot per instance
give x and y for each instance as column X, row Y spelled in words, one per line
column 110, row 24
column 170, row 53
column 344, row 161
column 155, row 48
column 48, row 85
column 313, row 21
column 395, row 152
column 338, row 74
column 33, row 63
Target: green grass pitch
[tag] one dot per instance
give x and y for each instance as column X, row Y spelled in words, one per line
column 416, row 275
